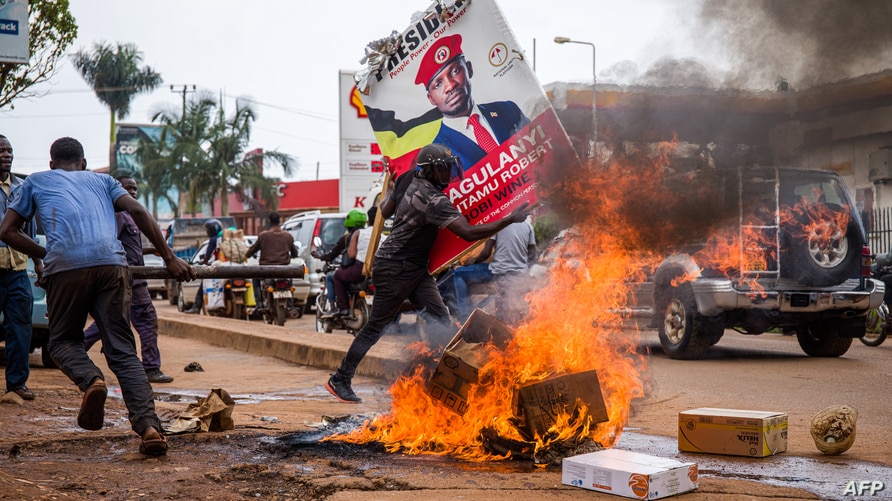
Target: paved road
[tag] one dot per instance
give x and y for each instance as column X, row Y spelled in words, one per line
column 766, row 372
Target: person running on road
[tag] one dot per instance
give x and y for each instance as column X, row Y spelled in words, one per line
column 400, row 268
column 142, row 312
column 85, row 272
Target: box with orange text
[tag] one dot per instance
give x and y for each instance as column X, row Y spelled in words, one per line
column 629, row 474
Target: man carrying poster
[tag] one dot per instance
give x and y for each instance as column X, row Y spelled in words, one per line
column 401, row 263
column 469, row 130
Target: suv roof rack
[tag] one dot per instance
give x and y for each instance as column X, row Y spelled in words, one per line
column 307, row 213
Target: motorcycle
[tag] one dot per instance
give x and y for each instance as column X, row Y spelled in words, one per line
column 879, row 322
column 277, row 298
column 359, row 296
column 226, row 298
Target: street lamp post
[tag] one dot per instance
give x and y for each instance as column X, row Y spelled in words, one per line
column 563, row 40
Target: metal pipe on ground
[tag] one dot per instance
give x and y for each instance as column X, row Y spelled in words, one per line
column 238, row 271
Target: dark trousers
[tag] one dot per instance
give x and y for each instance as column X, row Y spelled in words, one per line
column 16, row 303
column 395, row 281
column 103, row 292
column 145, row 320
column 344, row 276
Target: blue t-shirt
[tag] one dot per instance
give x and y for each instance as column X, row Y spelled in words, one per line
column 77, row 212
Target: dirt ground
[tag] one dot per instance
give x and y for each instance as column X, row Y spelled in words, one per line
column 274, row 453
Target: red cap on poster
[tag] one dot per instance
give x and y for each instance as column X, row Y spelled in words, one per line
column 441, row 52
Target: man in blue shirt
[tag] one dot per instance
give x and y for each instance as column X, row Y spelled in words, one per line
column 85, row 272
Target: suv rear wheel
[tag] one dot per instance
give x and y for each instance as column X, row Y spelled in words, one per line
column 684, row 333
column 823, row 253
column 822, row 339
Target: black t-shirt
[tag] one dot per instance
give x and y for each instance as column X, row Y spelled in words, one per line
column 420, row 213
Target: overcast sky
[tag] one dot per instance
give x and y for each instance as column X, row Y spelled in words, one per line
column 286, row 55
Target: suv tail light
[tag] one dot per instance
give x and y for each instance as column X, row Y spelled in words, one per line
column 866, row 260
column 316, row 241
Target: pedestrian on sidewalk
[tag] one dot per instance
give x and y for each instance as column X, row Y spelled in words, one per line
column 16, row 300
column 400, row 267
column 85, row 272
column 142, row 312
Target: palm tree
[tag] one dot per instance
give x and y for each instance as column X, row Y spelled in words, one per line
column 155, row 181
column 211, row 149
column 114, row 74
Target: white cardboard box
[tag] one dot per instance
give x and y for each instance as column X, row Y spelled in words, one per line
column 629, row 474
column 732, row 431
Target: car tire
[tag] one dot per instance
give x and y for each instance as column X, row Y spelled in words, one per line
column 822, row 339
column 684, row 333
column 46, row 359
column 824, row 254
column 181, row 300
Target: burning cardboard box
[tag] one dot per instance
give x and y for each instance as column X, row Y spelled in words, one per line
column 540, row 404
column 732, row 431
column 629, row 474
column 464, row 356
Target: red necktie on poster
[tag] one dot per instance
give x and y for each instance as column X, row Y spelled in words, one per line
column 483, row 137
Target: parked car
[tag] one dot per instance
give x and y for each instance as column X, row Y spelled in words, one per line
column 157, row 286
column 186, row 291
column 315, row 231
column 800, row 264
column 40, row 324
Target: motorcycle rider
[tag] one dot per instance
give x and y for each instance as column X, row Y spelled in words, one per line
column 401, row 263
column 276, row 246
column 214, row 229
column 351, row 269
column 354, row 221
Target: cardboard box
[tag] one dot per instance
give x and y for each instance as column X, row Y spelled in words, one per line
column 732, row 431
column 539, row 404
column 464, row 356
column 629, row 474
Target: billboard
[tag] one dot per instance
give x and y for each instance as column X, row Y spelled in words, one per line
column 457, row 76
column 361, row 160
column 14, row 32
column 127, row 160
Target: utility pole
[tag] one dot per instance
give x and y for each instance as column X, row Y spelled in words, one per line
column 184, row 90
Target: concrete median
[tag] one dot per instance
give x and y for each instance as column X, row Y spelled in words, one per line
column 292, row 342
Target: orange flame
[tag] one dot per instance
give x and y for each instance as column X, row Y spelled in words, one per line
column 575, row 324
column 626, row 218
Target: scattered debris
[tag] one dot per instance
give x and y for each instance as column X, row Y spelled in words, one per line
column 212, row 413
column 194, row 367
column 833, row 429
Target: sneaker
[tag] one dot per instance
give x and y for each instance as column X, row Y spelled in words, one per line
column 156, row 376
column 342, row 390
column 343, row 313
column 92, row 413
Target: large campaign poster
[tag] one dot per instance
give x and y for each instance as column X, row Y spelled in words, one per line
column 457, row 76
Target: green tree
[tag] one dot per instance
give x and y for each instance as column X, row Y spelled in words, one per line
column 210, row 155
column 114, row 73
column 155, row 181
column 51, row 29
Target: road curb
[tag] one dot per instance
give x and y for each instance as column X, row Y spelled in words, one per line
column 298, row 346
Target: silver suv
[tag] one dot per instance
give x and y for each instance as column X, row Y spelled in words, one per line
column 315, row 231
column 795, row 258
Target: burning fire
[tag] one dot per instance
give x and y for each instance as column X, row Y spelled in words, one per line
column 626, row 218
